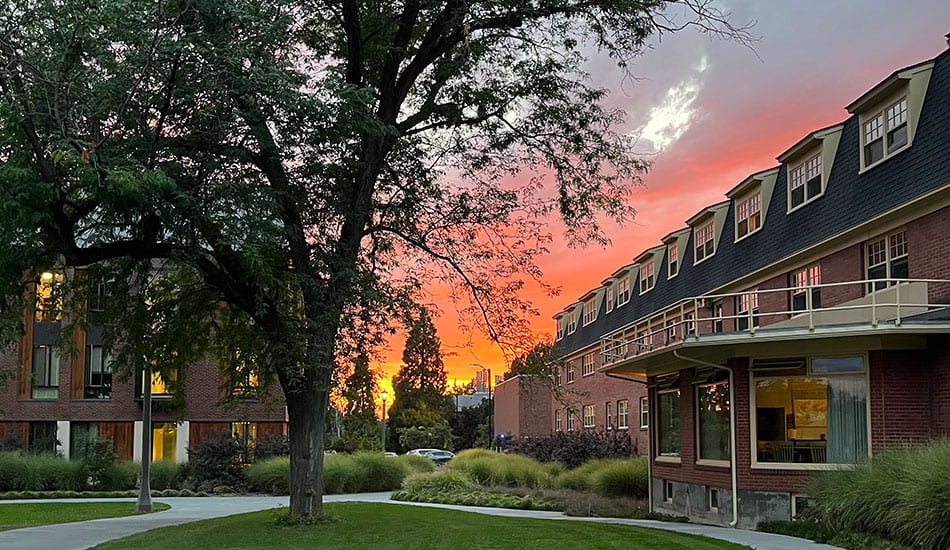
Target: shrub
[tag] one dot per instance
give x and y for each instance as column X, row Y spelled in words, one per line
column 489, row 468
column 121, row 476
column 271, row 475
column 621, row 478
column 164, row 474
column 902, row 494
column 443, row 481
column 455, row 487
column 377, row 472
column 574, row 448
column 271, row 445
column 98, row 459
column 42, row 472
column 416, row 464
column 216, row 463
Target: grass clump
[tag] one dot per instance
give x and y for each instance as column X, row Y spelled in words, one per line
column 165, row 474
column 270, row 476
column 357, row 473
column 489, row 468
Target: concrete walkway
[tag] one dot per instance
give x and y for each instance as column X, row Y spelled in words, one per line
column 85, row 534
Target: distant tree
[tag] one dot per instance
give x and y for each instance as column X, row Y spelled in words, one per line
column 421, row 381
column 470, row 426
column 360, row 428
column 541, row 360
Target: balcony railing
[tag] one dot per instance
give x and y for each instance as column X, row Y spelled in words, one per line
column 869, row 302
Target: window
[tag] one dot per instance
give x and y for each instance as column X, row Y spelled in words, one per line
column 712, row 411
column 247, row 386
column 671, row 330
column 610, row 298
column 667, row 490
column 717, row 316
column 799, row 504
column 816, row 415
column 588, row 416
column 886, row 259
column 647, row 279
column 747, row 304
column 245, row 433
column 673, row 267
column 705, row 243
column 570, row 421
column 804, row 182
column 802, row 280
column 748, row 216
column 49, row 305
column 623, row 290
column 45, row 373
column 571, row 322
column 668, row 423
column 689, row 327
column 82, row 435
column 712, row 499
column 587, row 364
column 99, row 296
column 560, row 327
column 557, row 420
column 159, row 387
column 556, row 374
column 590, row 311
column 98, row 373
column 622, row 414
column 608, row 418
column 42, row 437
column 570, row 373
column 644, row 413
column 885, row 132
column 164, row 441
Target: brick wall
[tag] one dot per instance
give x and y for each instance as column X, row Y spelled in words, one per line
column 900, row 407
column 939, row 360
column 928, row 245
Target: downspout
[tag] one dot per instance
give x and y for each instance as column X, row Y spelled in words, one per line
column 649, row 440
column 732, row 430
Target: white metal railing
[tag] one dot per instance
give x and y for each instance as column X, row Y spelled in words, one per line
column 875, row 301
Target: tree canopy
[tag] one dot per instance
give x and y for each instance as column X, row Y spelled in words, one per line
column 272, row 182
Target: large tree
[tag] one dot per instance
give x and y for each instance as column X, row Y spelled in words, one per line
column 273, row 180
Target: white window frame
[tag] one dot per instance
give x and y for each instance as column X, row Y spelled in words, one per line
column 557, row 420
column 706, row 232
column 569, row 376
column 588, row 416
column 590, row 311
column 644, row 413
column 570, row 421
column 885, row 120
column 587, row 364
column 801, row 175
column 623, row 290
column 895, row 248
column 609, row 300
column 608, row 417
column 755, row 375
column 560, row 327
column 623, row 408
column 571, row 322
column 749, row 212
column 712, row 504
column 672, row 261
column 744, row 302
column 696, row 423
column 647, row 276
column 44, row 378
column 802, row 280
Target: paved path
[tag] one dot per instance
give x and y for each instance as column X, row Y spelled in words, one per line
column 85, row 534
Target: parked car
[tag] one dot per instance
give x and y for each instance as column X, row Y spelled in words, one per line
column 420, row 452
column 390, row 454
column 439, row 456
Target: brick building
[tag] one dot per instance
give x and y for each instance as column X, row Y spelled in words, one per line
column 55, row 403
column 799, row 325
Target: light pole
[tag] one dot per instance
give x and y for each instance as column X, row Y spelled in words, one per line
column 382, row 423
column 144, row 502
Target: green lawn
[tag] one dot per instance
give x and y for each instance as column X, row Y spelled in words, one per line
column 17, row 516
column 364, row 525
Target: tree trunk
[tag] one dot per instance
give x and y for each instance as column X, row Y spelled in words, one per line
column 306, row 411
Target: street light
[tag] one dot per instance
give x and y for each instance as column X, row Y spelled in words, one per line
column 382, row 423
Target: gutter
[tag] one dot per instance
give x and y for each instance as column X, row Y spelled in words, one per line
column 732, row 430
column 649, row 439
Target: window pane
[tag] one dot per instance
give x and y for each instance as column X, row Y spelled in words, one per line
column 668, row 423
column 847, row 420
column 713, row 404
column 822, row 365
column 791, row 420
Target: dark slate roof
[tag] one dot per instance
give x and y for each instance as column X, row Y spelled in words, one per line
column 849, row 199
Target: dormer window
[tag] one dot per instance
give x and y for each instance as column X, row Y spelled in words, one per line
column 623, row 290
column 885, row 132
column 705, row 242
column 749, row 215
column 647, row 279
column 673, row 267
column 888, row 113
column 571, row 323
column 805, row 182
column 590, row 311
column 560, row 328
column 610, row 298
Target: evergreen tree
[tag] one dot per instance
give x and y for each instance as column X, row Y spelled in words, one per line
column 360, row 425
column 420, row 384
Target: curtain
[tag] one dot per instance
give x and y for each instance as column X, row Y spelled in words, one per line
column 847, row 419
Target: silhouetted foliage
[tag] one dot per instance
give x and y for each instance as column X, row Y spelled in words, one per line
column 574, row 448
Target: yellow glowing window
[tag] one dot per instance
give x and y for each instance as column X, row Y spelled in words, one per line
column 48, row 303
column 164, row 441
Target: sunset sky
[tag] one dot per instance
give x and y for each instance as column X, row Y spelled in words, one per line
column 709, row 113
